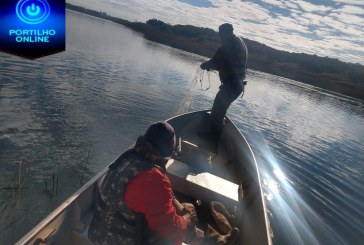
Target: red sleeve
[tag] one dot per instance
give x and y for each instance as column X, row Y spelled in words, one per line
column 150, row 193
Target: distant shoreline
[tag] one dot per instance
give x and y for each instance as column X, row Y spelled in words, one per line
column 323, row 72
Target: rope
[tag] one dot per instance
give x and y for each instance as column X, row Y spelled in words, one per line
column 186, row 102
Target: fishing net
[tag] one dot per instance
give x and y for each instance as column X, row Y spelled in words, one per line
column 201, row 78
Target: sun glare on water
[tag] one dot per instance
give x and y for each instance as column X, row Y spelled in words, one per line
column 291, row 216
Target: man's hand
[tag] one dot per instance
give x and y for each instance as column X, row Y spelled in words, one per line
column 187, row 211
column 188, row 207
column 191, row 218
column 190, row 213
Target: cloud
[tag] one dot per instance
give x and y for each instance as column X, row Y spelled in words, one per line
column 289, row 25
column 309, row 7
column 274, row 3
column 348, row 18
column 291, row 5
column 352, row 10
column 350, row 2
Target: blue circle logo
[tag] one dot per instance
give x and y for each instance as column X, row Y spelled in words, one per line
column 33, row 11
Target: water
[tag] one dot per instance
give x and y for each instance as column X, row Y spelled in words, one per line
column 66, row 116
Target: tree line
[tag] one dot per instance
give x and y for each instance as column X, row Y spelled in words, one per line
column 324, row 72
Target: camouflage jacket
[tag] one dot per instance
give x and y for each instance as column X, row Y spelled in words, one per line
column 114, row 222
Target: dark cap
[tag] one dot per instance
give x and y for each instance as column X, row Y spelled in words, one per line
column 162, row 137
column 226, row 28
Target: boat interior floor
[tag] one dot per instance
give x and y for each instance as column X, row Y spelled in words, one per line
column 198, row 176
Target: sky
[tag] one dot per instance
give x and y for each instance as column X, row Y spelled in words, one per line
column 327, row 28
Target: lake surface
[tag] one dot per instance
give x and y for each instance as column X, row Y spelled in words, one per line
column 64, row 117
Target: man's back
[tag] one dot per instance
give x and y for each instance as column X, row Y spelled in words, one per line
column 235, row 56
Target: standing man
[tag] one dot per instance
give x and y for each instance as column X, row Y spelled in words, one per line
column 136, row 204
column 231, row 62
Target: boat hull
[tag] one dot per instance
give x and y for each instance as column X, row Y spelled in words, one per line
column 234, row 163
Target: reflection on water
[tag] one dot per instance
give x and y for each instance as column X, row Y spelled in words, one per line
column 66, row 116
column 294, row 221
column 310, row 147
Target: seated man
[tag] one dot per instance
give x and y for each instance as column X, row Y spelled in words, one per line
column 136, row 204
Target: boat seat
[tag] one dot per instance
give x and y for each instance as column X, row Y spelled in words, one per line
column 201, row 186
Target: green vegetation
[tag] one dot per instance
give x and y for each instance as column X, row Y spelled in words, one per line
column 323, row 72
